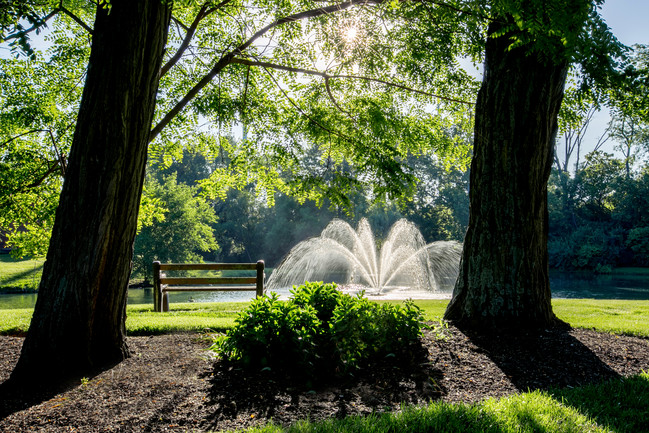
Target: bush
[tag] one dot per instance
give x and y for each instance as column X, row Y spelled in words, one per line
column 271, row 334
column 638, row 242
column 318, row 332
column 595, row 247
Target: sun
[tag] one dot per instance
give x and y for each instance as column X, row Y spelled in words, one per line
column 350, row 34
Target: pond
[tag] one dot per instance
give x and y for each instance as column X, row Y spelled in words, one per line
column 619, row 285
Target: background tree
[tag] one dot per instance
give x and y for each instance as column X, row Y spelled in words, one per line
column 181, row 230
column 596, row 207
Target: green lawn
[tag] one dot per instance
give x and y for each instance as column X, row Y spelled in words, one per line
column 622, row 317
column 22, row 274
column 616, row 316
column 619, row 406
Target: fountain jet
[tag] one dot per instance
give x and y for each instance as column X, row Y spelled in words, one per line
column 347, row 256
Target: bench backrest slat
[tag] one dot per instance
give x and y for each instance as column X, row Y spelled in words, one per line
column 208, row 266
column 183, row 281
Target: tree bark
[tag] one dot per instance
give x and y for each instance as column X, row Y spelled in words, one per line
column 78, row 321
column 503, row 280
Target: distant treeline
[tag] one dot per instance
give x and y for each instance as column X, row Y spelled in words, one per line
column 599, row 215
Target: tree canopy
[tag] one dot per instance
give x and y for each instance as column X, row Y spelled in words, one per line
column 367, row 83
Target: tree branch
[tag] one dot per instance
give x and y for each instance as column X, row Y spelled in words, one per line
column 179, row 23
column 52, row 167
column 76, row 19
column 318, row 124
column 327, row 76
column 333, row 100
column 191, row 30
column 227, row 58
column 34, row 27
column 22, row 135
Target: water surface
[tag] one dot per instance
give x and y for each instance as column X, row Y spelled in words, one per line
column 622, row 285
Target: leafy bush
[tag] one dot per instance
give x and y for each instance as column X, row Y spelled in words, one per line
column 272, row 334
column 587, row 247
column 638, row 242
column 323, row 297
column 318, row 332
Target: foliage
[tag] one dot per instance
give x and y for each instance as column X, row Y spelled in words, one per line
column 180, row 229
column 272, row 334
column 587, row 247
column 363, row 330
column 638, row 242
column 38, row 103
column 323, row 298
column 318, row 332
column 362, row 148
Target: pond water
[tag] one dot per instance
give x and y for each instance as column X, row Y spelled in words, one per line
column 631, row 286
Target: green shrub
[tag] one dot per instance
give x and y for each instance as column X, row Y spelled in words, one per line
column 638, row 242
column 272, row 334
column 318, row 332
column 323, row 297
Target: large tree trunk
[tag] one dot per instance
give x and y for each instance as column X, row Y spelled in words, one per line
column 503, row 280
column 78, row 322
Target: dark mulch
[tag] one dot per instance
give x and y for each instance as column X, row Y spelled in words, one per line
column 171, row 384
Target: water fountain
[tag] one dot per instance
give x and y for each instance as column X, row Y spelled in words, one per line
column 350, row 257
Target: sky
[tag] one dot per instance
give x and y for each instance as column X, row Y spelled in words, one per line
column 628, row 19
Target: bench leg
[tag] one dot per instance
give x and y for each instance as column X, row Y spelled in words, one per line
column 165, row 302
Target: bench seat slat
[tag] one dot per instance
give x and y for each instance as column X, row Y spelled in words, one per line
column 208, row 288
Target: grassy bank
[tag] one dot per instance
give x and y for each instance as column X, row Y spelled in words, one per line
column 622, row 317
column 19, row 275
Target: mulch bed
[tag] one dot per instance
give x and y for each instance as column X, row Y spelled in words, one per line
column 170, row 383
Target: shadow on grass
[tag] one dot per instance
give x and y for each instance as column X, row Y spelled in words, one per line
column 12, row 282
column 622, row 405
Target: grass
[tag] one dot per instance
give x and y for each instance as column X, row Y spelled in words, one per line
column 19, row 275
column 621, row 317
column 142, row 320
column 616, row 316
column 15, row 322
column 183, row 317
column 618, row 406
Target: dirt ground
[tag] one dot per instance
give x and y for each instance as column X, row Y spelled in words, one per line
column 170, row 383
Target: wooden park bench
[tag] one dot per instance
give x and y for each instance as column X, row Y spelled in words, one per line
column 162, row 284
